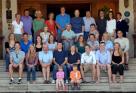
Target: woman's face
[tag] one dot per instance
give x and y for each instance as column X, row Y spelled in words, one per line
column 51, row 16
column 92, row 37
column 105, row 36
column 12, row 37
column 31, row 48
column 45, row 29
column 116, row 46
column 110, row 15
column 73, row 48
column 81, row 39
column 38, row 14
column 51, row 38
column 18, row 17
column 38, row 39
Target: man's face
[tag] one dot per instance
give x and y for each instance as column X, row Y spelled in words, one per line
column 45, row 47
column 26, row 13
column 62, row 10
column 77, row 13
column 87, row 49
column 68, row 27
column 59, row 45
column 120, row 34
column 102, row 46
column 25, row 37
column 101, row 14
column 88, row 14
column 118, row 16
column 17, row 46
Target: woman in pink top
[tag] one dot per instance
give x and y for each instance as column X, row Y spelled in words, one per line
column 51, row 25
column 60, row 79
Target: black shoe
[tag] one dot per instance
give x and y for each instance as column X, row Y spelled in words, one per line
column 19, row 81
column 11, row 81
column 45, row 82
column 84, row 81
column 48, row 82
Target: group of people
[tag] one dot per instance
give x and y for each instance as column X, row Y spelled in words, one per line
column 68, row 47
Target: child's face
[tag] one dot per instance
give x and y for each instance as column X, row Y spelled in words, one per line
column 74, row 68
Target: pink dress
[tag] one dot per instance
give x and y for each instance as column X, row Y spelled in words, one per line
column 60, row 75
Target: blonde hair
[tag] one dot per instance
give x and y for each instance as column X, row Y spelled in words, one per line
column 106, row 33
column 119, row 50
column 31, row 54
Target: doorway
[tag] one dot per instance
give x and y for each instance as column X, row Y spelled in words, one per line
column 55, row 8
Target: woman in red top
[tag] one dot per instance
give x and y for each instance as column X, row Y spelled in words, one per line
column 51, row 25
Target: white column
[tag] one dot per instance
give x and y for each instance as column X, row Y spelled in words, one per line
column 122, row 9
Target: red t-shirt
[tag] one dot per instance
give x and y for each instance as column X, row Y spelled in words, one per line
column 51, row 27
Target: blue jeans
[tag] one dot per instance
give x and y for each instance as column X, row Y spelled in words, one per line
column 7, row 60
column 67, row 44
column 31, row 70
column 55, row 68
column 86, row 34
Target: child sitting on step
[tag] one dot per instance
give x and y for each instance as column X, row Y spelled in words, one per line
column 60, row 79
column 75, row 77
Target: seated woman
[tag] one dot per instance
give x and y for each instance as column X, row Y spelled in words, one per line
column 9, row 47
column 117, row 62
column 80, row 44
column 38, row 48
column 45, row 35
column 73, row 58
column 31, row 62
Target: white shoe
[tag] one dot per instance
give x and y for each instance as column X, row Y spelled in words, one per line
column 53, row 82
column 66, row 81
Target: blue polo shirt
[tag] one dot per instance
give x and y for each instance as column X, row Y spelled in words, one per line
column 59, row 56
column 25, row 47
column 62, row 20
column 77, row 23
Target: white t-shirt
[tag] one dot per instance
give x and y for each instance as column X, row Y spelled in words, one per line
column 111, row 26
column 17, row 27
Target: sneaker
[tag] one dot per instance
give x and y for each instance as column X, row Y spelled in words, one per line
column 53, row 82
column 66, row 81
column 48, row 82
column 19, row 81
column 11, row 81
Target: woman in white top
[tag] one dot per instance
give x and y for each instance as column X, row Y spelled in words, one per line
column 17, row 27
column 45, row 35
column 111, row 25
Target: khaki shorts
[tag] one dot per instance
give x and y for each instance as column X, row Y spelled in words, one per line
column 87, row 67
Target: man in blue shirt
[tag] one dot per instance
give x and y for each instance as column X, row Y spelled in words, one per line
column 88, row 20
column 103, row 59
column 25, row 43
column 62, row 19
column 59, row 59
column 77, row 23
column 45, row 58
column 16, row 62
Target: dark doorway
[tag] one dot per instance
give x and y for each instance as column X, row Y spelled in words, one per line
column 69, row 8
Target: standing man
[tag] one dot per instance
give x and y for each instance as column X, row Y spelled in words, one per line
column 88, row 20
column 16, row 62
column 77, row 23
column 101, row 24
column 62, row 19
column 121, row 24
column 27, row 23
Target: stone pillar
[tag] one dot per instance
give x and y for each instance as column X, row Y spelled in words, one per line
column 130, row 8
column 13, row 8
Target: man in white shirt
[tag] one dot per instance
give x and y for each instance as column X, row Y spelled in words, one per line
column 88, row 61
column 124, row 43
